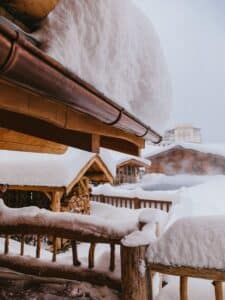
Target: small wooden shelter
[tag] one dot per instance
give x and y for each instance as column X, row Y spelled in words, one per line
column 54, row 181
column 130, row 170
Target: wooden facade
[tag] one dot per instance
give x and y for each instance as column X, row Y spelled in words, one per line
column 180, row 160
column 130, row 171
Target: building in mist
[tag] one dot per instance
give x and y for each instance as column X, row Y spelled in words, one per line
column 184, row 133
column 194, row 159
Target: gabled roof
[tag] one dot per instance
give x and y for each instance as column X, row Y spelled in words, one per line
column 217, row 149
column 50, row 170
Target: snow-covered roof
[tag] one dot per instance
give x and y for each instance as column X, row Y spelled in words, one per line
column 218, row 149
column 38, row 169
column 115, row 40
column 113, row 159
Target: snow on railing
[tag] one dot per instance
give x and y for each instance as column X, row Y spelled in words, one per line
column 133, row 203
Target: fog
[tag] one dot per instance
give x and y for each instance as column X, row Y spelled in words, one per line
column 192, row 34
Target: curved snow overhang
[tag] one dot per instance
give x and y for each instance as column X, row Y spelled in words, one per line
column 23, row 64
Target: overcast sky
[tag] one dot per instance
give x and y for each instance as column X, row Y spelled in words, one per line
column 192, row 34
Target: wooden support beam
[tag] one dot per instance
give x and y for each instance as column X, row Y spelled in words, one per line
column 183, row 288
column 22, row 111
column 218, row 290
column 95, row 143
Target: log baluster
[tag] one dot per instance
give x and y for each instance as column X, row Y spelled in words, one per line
column 38, row 246
column 112, row 257
column 76, row 261
column 218, row 290
column 183, row 288
column 6, row 248
column 22, row 241
column 54, row 253
column 91, row 256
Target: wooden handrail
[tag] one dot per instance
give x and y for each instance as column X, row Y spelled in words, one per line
column 217, row 276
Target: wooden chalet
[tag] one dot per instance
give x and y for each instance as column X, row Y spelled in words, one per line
column 52, row 181
column 186, row 159
column 130, row 170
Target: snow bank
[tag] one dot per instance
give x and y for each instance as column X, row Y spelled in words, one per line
column 112, row 45
column 154, row 220
column 194, row 241
column 131, row 191
column 202, row 200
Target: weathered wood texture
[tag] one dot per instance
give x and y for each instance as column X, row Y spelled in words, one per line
column 134, row 275
column 134, row 203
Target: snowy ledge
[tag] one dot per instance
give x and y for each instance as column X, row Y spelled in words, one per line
column 98, row 225
column 191, row 242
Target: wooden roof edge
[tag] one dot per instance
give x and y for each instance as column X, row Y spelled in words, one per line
column 84, row 169
column 20, row 58
column 141, row 163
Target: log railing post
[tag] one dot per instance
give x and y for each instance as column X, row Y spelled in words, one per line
column 183, row 288
column 134, row 273
column 218, row 290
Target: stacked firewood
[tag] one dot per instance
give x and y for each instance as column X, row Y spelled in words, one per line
column 78, row 200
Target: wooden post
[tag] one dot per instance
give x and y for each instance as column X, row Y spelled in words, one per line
column 137, row 203
column 91, row 256
column 6, row 250
column 22, row 245
column 134, row 274
column 38, row 247
column 218, row 290
column 56, row 207
column 112, row 257
column 76, row 261
column 183, row 288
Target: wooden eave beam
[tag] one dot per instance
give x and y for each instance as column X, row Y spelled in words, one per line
column 22, row 111
column 47, row 189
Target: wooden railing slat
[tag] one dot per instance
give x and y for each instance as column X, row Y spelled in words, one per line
column 76, row 261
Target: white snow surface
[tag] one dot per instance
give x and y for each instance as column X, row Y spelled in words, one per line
column 105, row 220
column 113, row 46
column 41, row 169
column 194, row 241
column 132, row 191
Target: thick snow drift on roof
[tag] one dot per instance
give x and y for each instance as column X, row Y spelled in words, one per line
column 38, row 169
column 114, row 158
column 218, row 149
column 193, row 241
column 112, row 45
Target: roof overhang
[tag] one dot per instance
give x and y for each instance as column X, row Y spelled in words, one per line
column 35, row 77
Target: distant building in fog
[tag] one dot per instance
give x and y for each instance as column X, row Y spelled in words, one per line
column 184, row 133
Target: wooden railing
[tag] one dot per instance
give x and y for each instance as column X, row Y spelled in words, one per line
column 75, row 271
column 134, row 203
column 216, row 276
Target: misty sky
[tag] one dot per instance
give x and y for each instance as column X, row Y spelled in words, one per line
column 192, row 34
